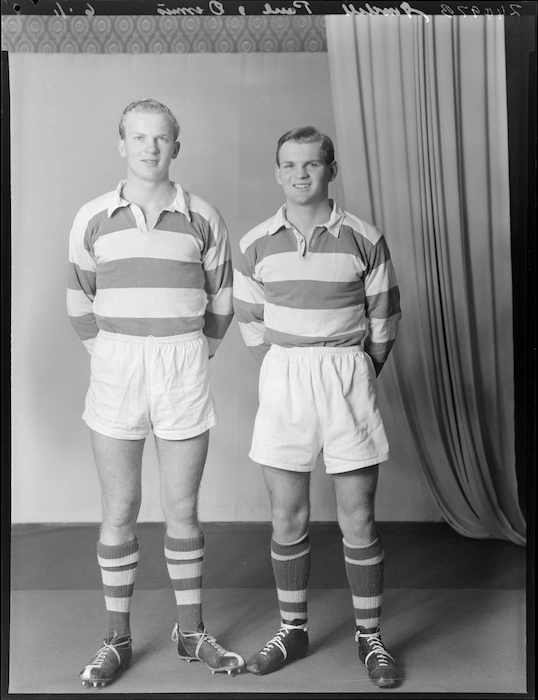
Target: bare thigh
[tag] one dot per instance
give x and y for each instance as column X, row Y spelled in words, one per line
column 119, row 465
column 181, row 464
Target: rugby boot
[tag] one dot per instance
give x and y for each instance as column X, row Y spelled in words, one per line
column 116, row 653
column 201, row 646
column 288, row 644
column 380, row 664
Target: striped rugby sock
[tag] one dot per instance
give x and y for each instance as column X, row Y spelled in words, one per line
column 184, row 559
column 291, row 568
column 118, row 570
column 364, row 568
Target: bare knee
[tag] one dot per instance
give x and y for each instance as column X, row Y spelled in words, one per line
column 181, row 516
column 355, row 498
column 357, row 525
column 290, row 524
column 119, row 520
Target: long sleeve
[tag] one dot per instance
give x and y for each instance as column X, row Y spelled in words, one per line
column 217, row 264
column 248, row 299
column 382, row 304
column 81, row 284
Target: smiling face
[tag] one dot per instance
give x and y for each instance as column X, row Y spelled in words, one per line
column 148, row 146
column 303, row 173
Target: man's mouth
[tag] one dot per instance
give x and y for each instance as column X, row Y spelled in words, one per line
column 302, row 186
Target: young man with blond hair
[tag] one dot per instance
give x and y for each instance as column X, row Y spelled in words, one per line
column 318, row 305
column 150, row 297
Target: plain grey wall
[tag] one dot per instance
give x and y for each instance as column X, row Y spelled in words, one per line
column 64, row 111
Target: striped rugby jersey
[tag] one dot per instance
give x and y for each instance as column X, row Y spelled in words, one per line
column 342, row 290
column 171, row 280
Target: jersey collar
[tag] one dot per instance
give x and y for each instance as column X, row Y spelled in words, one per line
column 279, row 221
column 180, row 203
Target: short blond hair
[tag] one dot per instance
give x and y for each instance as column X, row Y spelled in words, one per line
column 152, row 107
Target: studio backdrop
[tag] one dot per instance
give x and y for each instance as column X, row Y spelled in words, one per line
column 236, row 85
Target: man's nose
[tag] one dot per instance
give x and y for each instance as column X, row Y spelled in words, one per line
column 152, row 146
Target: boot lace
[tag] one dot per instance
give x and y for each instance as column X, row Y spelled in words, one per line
column 100, row 658
column 202, row 637
column 278, row 640
column 376, row 645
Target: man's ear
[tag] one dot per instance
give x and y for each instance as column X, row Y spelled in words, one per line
column 277, row 175
column 177, row 146
column 121, row 148
column 333, row 171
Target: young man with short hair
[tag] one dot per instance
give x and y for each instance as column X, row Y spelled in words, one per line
column 318, row 304
column 150, row 297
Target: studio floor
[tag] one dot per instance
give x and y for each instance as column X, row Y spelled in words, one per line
column 454, row 613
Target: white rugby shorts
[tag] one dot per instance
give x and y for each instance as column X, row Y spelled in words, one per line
column 315, row 399
column 138, row 383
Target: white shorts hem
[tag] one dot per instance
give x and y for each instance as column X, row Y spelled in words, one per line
column 268, row 462
column 117, row 433
column 188, row 432
column 121, row 434
column 357, row 464
column 345, row 467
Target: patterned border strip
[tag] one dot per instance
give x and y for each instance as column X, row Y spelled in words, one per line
column 150, row 34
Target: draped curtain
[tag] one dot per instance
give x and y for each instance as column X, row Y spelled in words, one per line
column 421, row 122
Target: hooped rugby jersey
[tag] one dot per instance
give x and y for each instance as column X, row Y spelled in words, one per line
column 339, row 290
column 173, row 279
